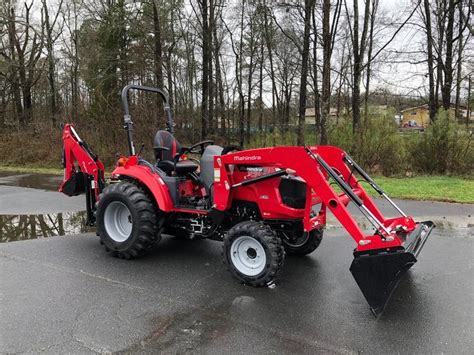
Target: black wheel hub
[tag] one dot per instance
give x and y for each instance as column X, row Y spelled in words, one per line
column 251, row 253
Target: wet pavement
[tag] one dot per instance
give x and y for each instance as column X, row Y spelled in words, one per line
column 36, row 181
column 66, row 295
column 22, row 194
column 31, row 207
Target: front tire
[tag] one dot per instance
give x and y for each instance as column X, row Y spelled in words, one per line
column 253, row 253
column 128, row 223
column 300, row 242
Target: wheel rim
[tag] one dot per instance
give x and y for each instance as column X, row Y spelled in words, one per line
column 296, row 242
column 248, row 256
column 118, row 221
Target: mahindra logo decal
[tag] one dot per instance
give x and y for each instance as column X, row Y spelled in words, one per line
column 248, row 158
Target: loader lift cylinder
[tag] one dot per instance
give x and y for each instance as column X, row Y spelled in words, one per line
column 347, row 189
column 372, row 183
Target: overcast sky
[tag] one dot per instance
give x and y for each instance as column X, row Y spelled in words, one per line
column 391, row 70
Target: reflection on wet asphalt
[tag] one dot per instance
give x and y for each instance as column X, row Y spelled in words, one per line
column 36, row 181
column 14, row 227
column 24, row 227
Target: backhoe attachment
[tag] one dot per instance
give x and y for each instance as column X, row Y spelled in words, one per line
column 83, row 171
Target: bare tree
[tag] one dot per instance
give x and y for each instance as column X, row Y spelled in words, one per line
column 448, row 61
column 71, row 48
column 204, row 8
column 51, row 38
column 26, row 46
column 463, row 38
column 220, row 100
column 432, row 101
column 158, row 52
column 268, row 31
column 330, row 29
column 359, row 46
column 308, row 10
column 317, row 94
column 373, row 11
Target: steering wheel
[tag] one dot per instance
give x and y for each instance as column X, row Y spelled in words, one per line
column 197, row 148
column 230, row 149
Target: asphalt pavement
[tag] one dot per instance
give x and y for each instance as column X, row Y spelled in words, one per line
column 22, row 200
column 67, row 295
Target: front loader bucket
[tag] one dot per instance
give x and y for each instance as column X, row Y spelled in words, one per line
column 378, row 272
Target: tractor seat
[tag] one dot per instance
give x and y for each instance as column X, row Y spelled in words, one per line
column 166, row 158
column 182, row 167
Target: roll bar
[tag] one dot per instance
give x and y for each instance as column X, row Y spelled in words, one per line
column 128, row 123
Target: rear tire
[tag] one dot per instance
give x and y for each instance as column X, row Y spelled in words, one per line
column 253, row 253
column 128, row 223
column 302, row 244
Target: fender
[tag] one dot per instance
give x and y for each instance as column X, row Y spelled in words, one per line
column 152, row 181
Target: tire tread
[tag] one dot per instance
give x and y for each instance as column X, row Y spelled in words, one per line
column 269, row 240
column 150, row 221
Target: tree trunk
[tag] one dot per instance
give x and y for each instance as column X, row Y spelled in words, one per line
column 459, row 64
column 53, row 95
column 27, row 105
column 448, row 63
column 169, row 78
column 369, row 55
column 358, row 49
column 268, row 41
column 74, row 67
column 205, row 70
column 317, row 98
column 211, row 78
column 220, row 87
column 15, row 88
column 260, row 89
column 431, row 83
column 441, row 17
column 239, row 79
column 468, row 110
column 326, row 89
column 158, row 56
column 249, row 79
column 309, row 4
column 356, row 71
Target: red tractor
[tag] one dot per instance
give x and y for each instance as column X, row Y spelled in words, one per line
column 261, row 203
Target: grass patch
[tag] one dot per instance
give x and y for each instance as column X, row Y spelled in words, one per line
column 31, row 170
column 433, row 188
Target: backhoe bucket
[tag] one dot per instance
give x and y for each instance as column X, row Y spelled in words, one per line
column 378, row 272
column 75, row 185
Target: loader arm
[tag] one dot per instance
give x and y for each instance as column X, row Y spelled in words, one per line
column 83, row 171
column 381, row 258
column 316, row 176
